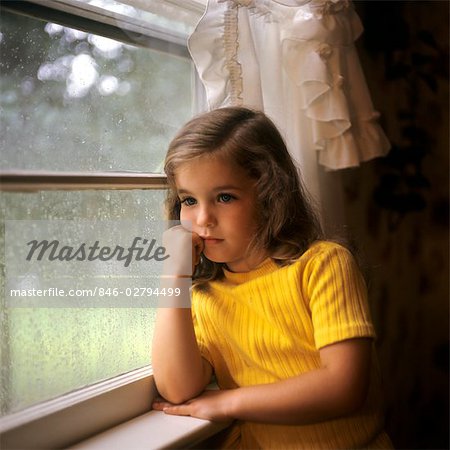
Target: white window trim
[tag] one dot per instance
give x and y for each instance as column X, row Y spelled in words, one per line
column 154, row 430
column 130, row 30
column 39, row 180
column 88, row 410
column 112, row 18
column 115, row 413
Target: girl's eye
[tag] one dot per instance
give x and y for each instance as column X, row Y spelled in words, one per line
column 225, row 198
column 188, row 201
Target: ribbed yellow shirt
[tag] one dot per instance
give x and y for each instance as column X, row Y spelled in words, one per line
column 269, row 324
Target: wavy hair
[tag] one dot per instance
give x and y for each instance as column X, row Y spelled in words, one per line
column 286, row 223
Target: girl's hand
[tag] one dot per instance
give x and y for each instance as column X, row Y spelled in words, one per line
column 197, row 248
column 210, row 405
column 181, row 244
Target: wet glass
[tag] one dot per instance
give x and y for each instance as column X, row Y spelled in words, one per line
column 75, row 101
column 46, row 352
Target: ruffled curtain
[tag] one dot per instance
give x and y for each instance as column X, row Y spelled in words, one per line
column 296, row 61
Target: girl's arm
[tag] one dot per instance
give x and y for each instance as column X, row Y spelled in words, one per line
column 337, row 388
column 179, row 370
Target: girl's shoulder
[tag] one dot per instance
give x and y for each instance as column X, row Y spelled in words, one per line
column 330, row 245
column 325, row 249
column 324, row 254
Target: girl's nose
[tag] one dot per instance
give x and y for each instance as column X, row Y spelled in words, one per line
column 205, row 217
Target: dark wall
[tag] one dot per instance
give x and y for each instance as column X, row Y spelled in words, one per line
column 397, row 208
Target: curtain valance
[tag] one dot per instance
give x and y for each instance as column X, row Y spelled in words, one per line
column 295, row 60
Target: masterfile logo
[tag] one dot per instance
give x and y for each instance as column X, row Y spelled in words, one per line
column 55, row 251
column 84, row 263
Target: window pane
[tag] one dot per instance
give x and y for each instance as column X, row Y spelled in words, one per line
column 46, row 352
column 161, row 13
column 74, row 101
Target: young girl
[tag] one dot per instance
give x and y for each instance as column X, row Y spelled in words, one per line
column 279, row 315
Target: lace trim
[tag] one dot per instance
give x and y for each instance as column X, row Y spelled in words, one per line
column 261, row 8
column 230, row 40
column 319, row 8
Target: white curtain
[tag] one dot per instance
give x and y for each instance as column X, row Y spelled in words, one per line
column 296, row 61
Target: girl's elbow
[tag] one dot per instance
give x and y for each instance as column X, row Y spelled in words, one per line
column 176, row 398
column 176, row 392
column 354, row 398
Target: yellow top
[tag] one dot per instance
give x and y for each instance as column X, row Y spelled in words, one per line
column 268, row 325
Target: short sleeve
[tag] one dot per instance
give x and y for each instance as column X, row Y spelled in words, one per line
column 338, row 297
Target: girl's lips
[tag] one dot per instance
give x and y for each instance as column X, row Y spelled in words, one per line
column 212, row 240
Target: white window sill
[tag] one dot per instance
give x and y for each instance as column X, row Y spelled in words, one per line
column 153, row 430
column 113, row 414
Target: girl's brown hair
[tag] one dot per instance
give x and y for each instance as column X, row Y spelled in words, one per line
column 287, row 224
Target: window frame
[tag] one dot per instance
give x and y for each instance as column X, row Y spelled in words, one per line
column 80, row 414
column 32, row 181
column 93, row 19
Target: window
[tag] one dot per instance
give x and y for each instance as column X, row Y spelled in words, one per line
column 91, row 93
column 78, row 101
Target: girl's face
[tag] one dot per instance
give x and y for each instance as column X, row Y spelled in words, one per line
column 219, row 199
